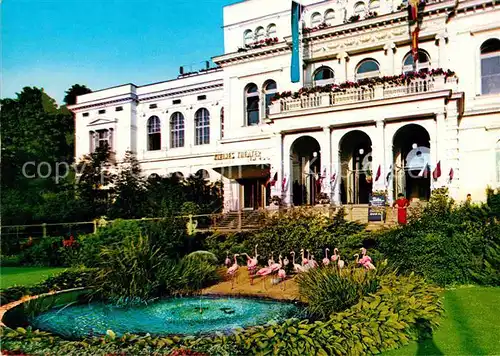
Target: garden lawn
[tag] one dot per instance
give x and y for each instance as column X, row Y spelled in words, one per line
column 470, row 326
column 26, row 276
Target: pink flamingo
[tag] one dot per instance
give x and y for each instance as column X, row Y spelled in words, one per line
column 282, row 275
column 271, row 260
column 335, row 256
column 267, row 271
column 305, row 261
column 296, row 267
column 326, row 260
column 340, row 263
column 313, row 262
column 366, row 260
column 227, row 262
column 233, row 270
column 252, row 264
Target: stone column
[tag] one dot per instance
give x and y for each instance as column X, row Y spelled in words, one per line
column 343, row 58
column 389, row 68
column 441, row 40
column 378, row 156
column 438, row 151
column 277, row 163
column 452, row 150
column 389, row 166
column 337, row 169
column 326, row 158
column 286, row 171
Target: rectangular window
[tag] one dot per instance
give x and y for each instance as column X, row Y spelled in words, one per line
column 252, row 110
column 119, row 108
column 85, row 114
column 490, row 74
column 100, row 112
column 102, row 138
column 153, row 106
column 176, row 101
column 202, row 97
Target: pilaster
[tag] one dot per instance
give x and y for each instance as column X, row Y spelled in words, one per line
column 378, row 156
column 389, row 66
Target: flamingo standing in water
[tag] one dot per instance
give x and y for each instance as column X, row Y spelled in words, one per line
column 227, row 262
column 326, row 260
column 233, row 270
column 296, row 267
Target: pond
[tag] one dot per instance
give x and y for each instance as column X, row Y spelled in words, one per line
column 181, row 316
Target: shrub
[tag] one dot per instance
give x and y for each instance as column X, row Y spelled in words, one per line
column 303, row 228
column 44, row 252
column 327, row 290
column 10, row 261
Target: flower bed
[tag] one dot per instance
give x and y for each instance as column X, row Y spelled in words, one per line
column 366, row 83
column 404, row 308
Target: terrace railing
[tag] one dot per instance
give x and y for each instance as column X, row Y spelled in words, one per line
column 362, row 94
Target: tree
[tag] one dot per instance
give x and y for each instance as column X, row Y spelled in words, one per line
column 73, row 92
column 130, row 190
column 95, row 179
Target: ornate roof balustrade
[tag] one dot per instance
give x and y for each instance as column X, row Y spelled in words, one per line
column 290, row 102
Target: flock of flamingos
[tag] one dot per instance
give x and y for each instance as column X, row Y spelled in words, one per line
column 279, row 267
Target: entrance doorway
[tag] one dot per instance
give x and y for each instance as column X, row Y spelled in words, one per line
column 306, row 168
column 411, row 162
column 255, row 193
column 356, row 168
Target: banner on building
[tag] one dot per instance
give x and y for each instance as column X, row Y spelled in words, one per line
column 295, row 65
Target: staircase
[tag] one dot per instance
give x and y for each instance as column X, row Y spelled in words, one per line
column 239, row 221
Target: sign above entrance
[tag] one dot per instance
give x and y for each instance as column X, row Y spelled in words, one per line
column 250, row 155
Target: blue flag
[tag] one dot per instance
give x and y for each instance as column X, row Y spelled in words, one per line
column 295, row 66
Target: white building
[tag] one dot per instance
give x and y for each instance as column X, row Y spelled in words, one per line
column 345, row 142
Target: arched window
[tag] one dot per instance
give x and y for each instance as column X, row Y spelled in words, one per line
column 248, row 37
column 270, row 90
column 177, row 130
column 271, row 31
column 329, row 17
column 490, row 66
column 374, row 5
column 202, row 127
column 423, row 63
column 260, row 34
column 359, row 8
column 323, row 75
column 222, row 123
column 252, row 104
column 154, row 134
column 367, row 68
column 315, row 19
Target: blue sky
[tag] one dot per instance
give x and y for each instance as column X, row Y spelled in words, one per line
column 101, row 43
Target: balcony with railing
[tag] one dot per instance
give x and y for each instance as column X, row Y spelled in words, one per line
column 338, row 95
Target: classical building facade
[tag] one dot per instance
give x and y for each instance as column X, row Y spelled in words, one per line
column 359, row 120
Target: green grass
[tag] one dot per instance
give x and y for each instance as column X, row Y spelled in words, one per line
column 471, row 325
column 26, row 276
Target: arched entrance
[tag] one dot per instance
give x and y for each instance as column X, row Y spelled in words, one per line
column 356, row 168
column 411, row 162
column 306, row 166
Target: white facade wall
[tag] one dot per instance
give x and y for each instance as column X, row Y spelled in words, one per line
column 462, row 124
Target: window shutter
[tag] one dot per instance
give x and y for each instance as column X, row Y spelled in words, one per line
column 91, row 141
column 110, row 139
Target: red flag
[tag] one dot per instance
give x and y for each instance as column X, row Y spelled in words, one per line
column 437, row 171
column 414, row 43
column 379, row 172
column 273, row 180
column 452, row 174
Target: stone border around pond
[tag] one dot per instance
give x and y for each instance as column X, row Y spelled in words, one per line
column 4, row 309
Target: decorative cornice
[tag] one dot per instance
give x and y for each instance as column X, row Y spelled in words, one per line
column 171, row 93
column 106, row 102
column 268, row 51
